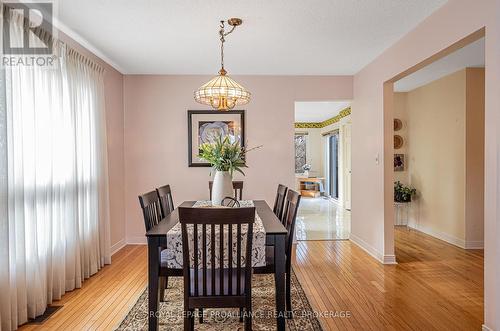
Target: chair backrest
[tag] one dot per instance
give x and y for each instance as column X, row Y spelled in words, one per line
column 218, row 230
column 288, row 219
column 166, row 202
column 280, row 200
column 151, row 210
column 237, row 186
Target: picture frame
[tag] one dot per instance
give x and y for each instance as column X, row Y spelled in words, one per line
column 203, row 125
column 399, row 162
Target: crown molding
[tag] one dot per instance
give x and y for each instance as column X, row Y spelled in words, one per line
column 85, row 43
column 319, row 125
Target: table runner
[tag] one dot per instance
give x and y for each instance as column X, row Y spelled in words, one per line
column 172, row 254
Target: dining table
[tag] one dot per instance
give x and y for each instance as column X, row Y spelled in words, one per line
column 275, row 234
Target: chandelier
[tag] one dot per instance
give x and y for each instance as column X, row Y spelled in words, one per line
column 222, row 92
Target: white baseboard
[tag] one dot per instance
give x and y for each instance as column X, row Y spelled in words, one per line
column 485, row 328
column 119, row 245
column 471, row 244
column 390, row 259
column 137, row 240
column 448, row 238
column 440, row 235
column 368, row 248
column 127, row 241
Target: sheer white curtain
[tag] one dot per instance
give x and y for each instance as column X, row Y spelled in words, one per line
column 54, row 215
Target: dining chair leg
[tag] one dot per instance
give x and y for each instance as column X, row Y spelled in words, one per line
column 200, row 315
column 241, row 314
column 162, row 285
column 189, row 320
column 248, row 319
column 288, row 293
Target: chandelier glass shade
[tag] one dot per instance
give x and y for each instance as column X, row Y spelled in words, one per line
column 222, row 92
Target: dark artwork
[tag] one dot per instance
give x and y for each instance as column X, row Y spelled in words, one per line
column 399, row 162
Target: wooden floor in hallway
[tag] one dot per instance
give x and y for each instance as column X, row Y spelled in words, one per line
column 435, row 286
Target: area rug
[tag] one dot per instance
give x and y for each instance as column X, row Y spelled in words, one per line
column 171, row 311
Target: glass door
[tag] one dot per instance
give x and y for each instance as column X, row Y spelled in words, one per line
column 333, row 180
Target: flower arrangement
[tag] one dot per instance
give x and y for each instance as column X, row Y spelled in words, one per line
column 224, row 155
column 403, row 193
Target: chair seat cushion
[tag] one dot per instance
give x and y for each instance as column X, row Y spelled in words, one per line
column 225, row 273
column 164, row 257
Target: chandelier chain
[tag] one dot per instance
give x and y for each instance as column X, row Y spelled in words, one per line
column 221, row 92
column 223, row 35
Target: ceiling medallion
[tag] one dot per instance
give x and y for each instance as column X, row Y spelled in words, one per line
column 222, row 92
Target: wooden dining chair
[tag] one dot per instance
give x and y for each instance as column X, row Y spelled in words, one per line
column 237, row 186
column 166, row 201
column 151, row 209
column 288, row 219
column 279, row 202
column 208, row 281
column 152, row 213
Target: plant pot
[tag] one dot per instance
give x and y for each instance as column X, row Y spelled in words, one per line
column 222, row 187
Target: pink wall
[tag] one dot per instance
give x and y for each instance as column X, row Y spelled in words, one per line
column 113, row 92
column 156, row 135
column 370, row 225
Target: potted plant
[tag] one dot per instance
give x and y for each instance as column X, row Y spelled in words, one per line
column 306, row 168
column 225, row 157
column 403, row 193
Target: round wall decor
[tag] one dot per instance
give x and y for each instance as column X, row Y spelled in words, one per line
column 398, row 124
column 398, row 141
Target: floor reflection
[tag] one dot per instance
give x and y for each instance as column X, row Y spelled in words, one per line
column 322, row 219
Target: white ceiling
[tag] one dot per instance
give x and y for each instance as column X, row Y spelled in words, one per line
column 282, row 37
column 318, row 111
column 470, row 56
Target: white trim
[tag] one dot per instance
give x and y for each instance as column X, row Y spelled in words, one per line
column 119, row 245
column 390, row 259
column 485, row 328
column 439, row 235
column 85, row 43
column 367, row 247
column 447, row 237
column 137, row 240
column 474, row 244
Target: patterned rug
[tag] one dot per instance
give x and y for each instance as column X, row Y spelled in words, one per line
column 171, row 312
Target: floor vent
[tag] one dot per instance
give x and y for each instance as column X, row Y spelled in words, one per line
column 42, row 318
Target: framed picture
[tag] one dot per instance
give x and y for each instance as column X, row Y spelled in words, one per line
column 206, row 125
column 399, row 162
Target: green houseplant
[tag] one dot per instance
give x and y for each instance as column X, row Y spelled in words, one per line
column 403, row 193
column 225, row 157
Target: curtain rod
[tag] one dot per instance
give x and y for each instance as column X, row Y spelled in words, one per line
column 48, row 38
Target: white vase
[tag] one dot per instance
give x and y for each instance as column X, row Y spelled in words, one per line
column 222, row 187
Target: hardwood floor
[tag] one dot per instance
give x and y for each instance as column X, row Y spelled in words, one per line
column 435, row 286
column 105, row 298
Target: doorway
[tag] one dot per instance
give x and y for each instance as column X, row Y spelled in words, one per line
column 320, row 169
column 437, row 137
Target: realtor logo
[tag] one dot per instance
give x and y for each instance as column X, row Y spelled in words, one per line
column 37, row 16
